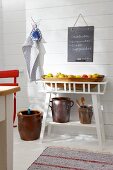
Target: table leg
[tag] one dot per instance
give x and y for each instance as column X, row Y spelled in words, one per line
column 6, row 131
column 49, row 129
column 9, row 131
column 47, row 100
column 98, row 119
column 2, row 134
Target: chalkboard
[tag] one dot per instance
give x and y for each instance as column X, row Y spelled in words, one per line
column 80, row 44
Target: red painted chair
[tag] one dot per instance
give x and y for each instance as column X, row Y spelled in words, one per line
column 10, row 74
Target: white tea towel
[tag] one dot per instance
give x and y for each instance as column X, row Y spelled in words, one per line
column 32, row 51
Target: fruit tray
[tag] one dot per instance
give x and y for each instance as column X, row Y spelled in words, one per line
column 78, row 86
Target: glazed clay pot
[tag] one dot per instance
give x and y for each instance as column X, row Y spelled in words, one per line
column 29, row 125
column 61, row 107
column 85, row 114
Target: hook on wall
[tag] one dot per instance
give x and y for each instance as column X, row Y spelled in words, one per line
column 34, row 23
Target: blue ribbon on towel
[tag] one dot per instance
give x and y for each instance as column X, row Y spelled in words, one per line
column 36, row 34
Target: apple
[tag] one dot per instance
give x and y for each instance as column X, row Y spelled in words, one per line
column 78, row 76
column 45, row 76
column 90, row 76
column 95, row 75
column 84, row 76
column 49, row 75
column 61, row 76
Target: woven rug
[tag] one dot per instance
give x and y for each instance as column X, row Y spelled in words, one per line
column 56, row 158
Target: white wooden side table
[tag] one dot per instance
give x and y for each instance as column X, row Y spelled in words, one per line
column 95, row 94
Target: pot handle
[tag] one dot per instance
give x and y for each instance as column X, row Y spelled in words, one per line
column 72, row 102
column 50, row 104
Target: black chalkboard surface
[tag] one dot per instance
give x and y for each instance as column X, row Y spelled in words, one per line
column 80, row 44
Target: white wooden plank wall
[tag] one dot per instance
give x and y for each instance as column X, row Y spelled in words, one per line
column 0, row 3
column 56, row 16
column 13, row 37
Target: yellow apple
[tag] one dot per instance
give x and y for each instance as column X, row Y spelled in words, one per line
column 49, row 75
column 78, row 76
column 45, row 76
column 95, row 75
column 61, row 76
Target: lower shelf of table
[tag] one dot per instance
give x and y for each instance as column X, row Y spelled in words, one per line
column 71, row 123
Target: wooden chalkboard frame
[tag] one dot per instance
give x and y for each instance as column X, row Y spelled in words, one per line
column 80, row 44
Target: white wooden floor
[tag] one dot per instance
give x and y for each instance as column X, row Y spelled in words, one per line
column 25, row 152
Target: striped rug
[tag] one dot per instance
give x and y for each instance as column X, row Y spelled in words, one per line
column 57, row 158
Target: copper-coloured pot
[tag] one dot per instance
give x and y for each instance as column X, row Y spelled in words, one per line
column 61, row 107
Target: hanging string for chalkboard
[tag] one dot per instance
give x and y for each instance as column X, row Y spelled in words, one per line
column 80, row 15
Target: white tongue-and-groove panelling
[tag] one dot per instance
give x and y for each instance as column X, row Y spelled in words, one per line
column 55, row 16
column 14, row 33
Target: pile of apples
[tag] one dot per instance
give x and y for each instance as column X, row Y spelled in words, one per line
column 61, row 75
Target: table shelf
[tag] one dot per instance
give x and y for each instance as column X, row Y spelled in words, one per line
column 72, row 123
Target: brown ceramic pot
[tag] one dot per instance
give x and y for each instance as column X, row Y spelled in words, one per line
column 61, row 107
column 85, row 114
column 29, row 126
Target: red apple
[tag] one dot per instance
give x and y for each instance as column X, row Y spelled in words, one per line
column 84, row 76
